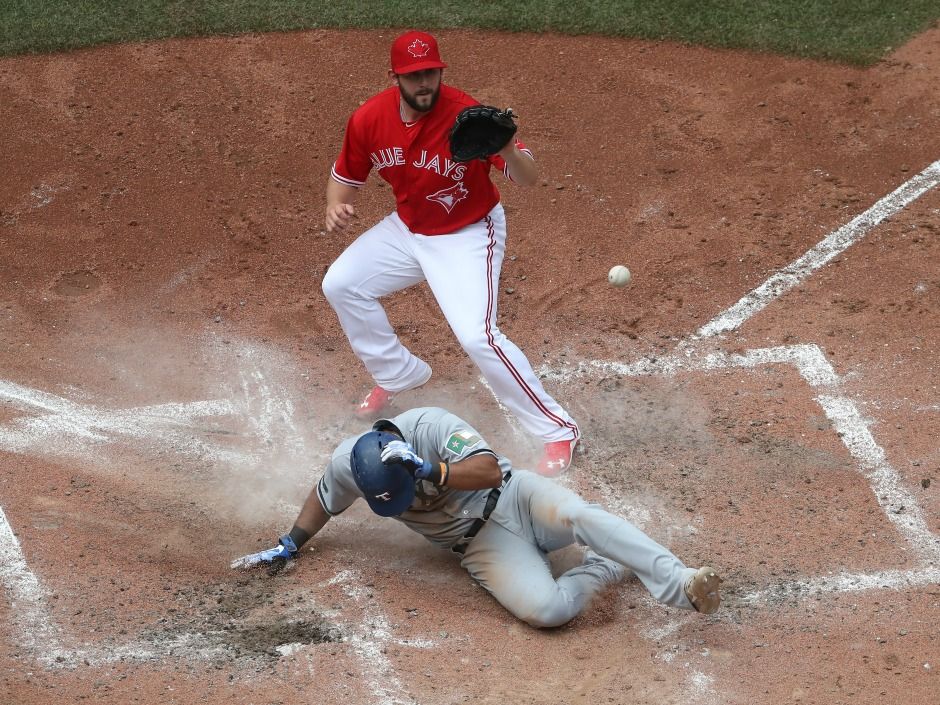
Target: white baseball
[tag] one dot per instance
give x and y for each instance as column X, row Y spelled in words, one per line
column 619, row 275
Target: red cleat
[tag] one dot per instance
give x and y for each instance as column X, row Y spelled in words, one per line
column 374, row 404
column 557, row 457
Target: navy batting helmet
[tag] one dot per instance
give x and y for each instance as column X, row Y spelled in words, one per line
column 389, row 487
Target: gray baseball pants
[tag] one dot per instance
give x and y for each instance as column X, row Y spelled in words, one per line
column 534, row 516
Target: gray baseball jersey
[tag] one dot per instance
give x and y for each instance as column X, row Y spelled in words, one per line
column 441, row 514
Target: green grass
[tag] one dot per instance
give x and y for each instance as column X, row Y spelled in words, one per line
column 854, row 31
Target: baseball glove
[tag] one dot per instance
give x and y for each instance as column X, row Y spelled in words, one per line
column 479, row 131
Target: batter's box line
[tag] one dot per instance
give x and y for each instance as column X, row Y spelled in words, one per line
column 37, row 634
column 51, row 425
column 842, row 582
column 370, row 640
column 897, row 501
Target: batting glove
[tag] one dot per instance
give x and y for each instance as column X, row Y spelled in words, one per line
column 402, row 452
column 275, row 558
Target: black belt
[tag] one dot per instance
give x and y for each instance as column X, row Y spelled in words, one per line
column 491, row 501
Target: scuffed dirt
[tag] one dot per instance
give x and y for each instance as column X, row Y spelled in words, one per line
column 162, row 248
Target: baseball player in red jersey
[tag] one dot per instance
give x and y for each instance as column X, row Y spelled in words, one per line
column 448, row 229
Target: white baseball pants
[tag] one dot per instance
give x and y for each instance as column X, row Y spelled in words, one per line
column 462, row 270
column 535, row 516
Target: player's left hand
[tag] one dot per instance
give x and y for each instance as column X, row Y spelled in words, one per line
column 275, row 559
column 479, row 131
column 508, row 151
column 402, row 452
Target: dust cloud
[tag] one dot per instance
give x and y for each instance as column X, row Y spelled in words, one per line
column 216, row 427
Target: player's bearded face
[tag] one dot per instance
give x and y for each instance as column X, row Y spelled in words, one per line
column 421, row 89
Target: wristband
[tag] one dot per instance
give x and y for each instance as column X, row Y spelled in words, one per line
column 298, row 536
column 288, row 543
column 438, row 473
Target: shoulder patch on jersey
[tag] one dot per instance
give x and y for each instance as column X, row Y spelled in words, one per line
column 462, row 440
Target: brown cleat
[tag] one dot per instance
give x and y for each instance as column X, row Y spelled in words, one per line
column 702, row 590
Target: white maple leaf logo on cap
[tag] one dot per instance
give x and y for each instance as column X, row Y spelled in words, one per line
column 418, row 48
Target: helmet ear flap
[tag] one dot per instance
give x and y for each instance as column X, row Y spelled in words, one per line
column 388, row 488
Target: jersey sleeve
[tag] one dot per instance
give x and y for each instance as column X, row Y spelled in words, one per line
column 337, row 490
column 353, row 165
column 457, row 440
column 499, row 163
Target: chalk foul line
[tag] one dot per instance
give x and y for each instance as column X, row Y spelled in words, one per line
column 65, row 419
column 833, row 245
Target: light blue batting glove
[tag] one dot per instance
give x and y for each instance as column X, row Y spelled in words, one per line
column 275, row 558
column 402, row 452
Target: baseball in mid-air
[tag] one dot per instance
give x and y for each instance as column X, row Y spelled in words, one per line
column 619, row 275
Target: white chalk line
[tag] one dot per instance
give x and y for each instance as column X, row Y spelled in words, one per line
column 699, row 687
column 43, row 195
column 509, row 417
column 53, row 426
column 703, row 690
column 28, row 598
column 829, row 248
column 38, row 197
column 57, row 427
column 43, row 639
column 813, row 366
column 899, row 503
column 369, row 640
column 276, row 410
column 190, row 645
column 843, row 582
column 730, row 320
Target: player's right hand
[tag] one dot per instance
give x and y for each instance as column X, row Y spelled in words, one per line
column 339, row 215
column 402, row 452
column 273, row 558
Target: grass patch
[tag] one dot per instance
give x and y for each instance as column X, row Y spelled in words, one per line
column 854, row 31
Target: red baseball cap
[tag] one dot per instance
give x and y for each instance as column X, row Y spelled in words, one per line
column 415, row 51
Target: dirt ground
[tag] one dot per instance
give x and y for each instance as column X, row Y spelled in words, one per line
column 172, row 378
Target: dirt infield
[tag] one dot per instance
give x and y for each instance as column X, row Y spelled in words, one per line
column 762, row 397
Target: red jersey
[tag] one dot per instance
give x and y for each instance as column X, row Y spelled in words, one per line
column 434, row 194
